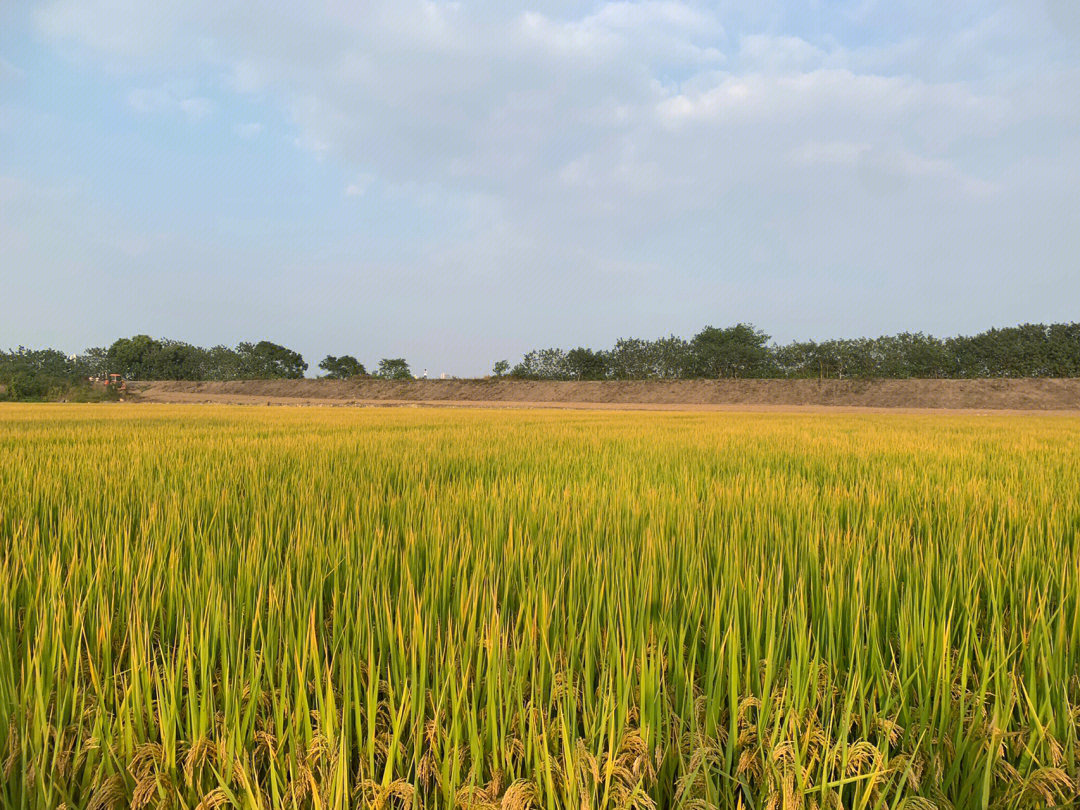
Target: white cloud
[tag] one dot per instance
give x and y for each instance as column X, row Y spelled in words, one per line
column 164, row 99
column 831, row 153
column 10, row 71
column 667, row 33
column 693, row 136
column 1065, row 15
column 885, row 170
column 10, row 188
column 827, row 97
column 128, row 33
column 779, row 53
column 248, row 130
column 196, row 107
column 360, row 186
column 490, row 99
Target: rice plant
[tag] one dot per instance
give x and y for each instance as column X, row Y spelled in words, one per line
column 213, row 607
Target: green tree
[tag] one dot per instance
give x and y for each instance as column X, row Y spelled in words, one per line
column 586, row 364
column 393, row 368
column 135, row 357
column 669, row 358
column 223, row 363
column 94, row 362
column 342, row 368
column 40, row 374
column 501, row 368
column 26, row 385
column 542, row 364
column 737, row 351
column 631, row 359
column 177, row 360
column 266, row 360
column 1064, row 349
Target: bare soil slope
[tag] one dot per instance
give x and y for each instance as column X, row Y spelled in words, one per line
column 1028, row 394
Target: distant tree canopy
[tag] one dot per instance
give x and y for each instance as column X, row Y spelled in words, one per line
column 743, row 351
column 737, row 351
column 342, row 368
column 732, row 352
column 30, row 374
column 145, row 358
column 393, row 368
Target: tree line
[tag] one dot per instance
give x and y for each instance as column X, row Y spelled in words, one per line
column 733, row 352
column 744, row 351
column 31, row 374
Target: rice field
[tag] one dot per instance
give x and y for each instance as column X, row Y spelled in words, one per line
column 209, row 606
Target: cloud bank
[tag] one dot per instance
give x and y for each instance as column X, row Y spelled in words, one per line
column 606, row 168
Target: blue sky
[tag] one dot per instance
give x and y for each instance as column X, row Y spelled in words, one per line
column 458, row 182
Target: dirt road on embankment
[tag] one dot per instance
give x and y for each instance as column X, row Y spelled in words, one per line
column 1027, row 395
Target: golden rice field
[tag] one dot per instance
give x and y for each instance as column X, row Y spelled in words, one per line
column 375, row 608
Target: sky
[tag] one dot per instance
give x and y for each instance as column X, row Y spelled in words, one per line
column 459, row 182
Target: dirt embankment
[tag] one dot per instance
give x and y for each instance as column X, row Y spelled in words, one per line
column 1029, row 394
